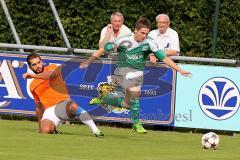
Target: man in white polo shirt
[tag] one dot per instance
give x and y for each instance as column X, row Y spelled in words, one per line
column 111, row 32
column 114, row 30
column 166, row 38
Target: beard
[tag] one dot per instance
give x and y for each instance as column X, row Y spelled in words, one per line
column 37, row 71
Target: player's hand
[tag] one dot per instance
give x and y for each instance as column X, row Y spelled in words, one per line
column 109, row 28
column 153, row 59
column 28, row 75
column 83, row 65
column 185, row 73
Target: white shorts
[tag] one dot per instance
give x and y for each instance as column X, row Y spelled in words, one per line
column 126, row 77
column 57, row 113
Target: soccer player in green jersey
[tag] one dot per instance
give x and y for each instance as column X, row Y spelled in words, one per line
column 133, row 51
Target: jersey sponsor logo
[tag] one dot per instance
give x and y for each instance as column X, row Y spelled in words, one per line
column 134, row 56
column 219, row 98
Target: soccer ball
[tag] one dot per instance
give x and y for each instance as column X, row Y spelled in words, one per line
column 210, row 140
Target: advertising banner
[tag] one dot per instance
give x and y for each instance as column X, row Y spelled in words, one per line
column 156, row 102
column 210, row 97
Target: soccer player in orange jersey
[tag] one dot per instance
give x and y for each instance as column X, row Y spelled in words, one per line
column 53, row 103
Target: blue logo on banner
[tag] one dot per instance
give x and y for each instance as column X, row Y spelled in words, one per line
column 219, row 98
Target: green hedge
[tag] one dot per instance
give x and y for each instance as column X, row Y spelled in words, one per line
column 84, row 19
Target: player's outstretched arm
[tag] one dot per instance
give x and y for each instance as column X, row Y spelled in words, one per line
column 173, row 65
column 43, row 75
column 94, row 56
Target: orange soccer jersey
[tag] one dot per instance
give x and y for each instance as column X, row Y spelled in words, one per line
column 49, row 92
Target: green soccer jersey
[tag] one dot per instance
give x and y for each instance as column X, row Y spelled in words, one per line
column 133, row 54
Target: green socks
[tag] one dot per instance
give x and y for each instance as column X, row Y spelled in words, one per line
column 113, row 101
column 118, row 102
column 134, row 107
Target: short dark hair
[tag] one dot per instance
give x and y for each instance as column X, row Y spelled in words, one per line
column 142, row 22
column 32, row 56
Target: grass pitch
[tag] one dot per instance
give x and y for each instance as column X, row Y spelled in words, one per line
column 20, row 141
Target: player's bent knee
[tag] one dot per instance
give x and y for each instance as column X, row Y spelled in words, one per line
column 71, row 109
column 46, row 130
column 133, row 92
column 47, row 127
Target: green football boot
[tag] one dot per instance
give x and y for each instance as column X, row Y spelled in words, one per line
column 96, row 101
column 99, row 134
column 139, row 128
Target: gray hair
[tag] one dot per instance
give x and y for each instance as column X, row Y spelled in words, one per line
column 163, row 15
column 116, row 14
